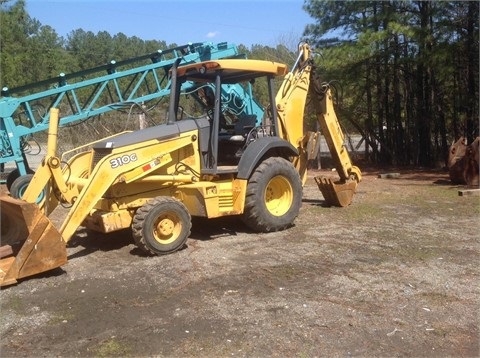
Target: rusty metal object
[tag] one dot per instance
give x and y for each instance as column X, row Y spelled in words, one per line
column 463, row 162
column 456, row 161
column 471, row 171
column 36, row 245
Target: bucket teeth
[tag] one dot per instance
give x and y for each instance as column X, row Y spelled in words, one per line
column 336, row 193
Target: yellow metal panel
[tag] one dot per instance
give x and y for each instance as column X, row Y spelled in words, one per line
column 239, row 192
column 291, row 99
column 201, row 199
column 106, row 222
column 234, row 67
column 193, row 198
column 214, row 199
column 133, row 195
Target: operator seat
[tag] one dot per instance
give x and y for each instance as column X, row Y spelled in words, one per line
column 240, row 129
column 232, row 142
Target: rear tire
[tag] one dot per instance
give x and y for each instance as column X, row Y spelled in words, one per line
column 14, row 175
column 274, row 196
column 20, row 185
column 161, row 226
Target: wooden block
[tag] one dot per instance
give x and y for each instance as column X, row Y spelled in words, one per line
column 389, row 175
column 5, row 250
column 469, row 192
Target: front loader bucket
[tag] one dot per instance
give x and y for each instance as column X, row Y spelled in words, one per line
column 30, row 244
column 336, row 193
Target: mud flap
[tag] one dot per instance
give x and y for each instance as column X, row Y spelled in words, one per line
column 336, row 193
column 36, row 245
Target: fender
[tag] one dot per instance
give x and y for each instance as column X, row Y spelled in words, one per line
column 256, row 151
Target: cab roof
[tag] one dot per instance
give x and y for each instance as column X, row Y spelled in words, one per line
column 233, row 70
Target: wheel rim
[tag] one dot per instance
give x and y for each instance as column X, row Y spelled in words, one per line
column 167, row 228
column 40, row 197
column 278, row 195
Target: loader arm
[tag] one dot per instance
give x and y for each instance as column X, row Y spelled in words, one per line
column 30, row 242
column 126, row 164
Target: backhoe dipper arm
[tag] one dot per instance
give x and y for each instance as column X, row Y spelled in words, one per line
column 331, row 130
column 339, row 193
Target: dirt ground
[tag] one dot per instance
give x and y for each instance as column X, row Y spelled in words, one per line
column 395, row 274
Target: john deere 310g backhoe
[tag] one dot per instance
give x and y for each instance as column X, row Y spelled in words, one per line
column 154, row 180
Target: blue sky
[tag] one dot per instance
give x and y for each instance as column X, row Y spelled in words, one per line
column 264, row 22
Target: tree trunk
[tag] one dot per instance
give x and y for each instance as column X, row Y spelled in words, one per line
column 424, row 88
column 472, row 72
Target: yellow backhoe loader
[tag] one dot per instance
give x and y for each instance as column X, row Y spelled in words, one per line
column 154, row 180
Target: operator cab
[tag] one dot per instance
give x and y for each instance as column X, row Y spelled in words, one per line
column 229, row 133
column 236, row 128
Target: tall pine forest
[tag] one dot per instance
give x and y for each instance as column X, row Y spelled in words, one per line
column 405, row 73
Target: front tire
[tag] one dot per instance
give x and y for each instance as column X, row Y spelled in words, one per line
column 161, row 226
column 273, row 197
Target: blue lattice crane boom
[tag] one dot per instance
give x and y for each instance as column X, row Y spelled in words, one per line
column 86, row 94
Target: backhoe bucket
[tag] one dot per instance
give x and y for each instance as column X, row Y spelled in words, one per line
column 336, row 193
column 30, row 244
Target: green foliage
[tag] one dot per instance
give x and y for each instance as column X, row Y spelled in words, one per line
column 32, row 52
column 406, row 72
column 408, row 69
column 112, row 347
